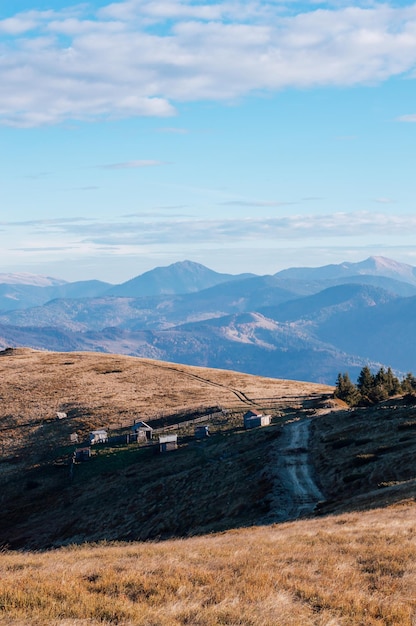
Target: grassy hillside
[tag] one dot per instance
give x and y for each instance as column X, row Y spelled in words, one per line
column 348, row 570
column 366, row 457
column 353, row 563
column 126, row 491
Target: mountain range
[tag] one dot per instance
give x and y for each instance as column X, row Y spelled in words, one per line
column 301, row 323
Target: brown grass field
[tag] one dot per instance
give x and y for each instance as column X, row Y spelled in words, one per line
column 348, row 570
column 78, row 553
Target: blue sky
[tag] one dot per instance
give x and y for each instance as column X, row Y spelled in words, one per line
column 247, row 136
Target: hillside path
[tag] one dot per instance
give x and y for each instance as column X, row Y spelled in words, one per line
column 295, row 492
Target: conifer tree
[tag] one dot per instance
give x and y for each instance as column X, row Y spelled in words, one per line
column 365, row 380
column 345, row 389
column 365, row 384
column 409, row 383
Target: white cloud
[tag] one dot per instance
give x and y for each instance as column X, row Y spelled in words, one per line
column 384, row 200
column 258, row 203
column 173, row 130
column 132, row 165
column 407, row 118
column 156, row 227
column 140, row 57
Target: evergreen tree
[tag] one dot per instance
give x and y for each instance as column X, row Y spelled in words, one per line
column 365, row 384
column 409, row 383
column 345, row 389
column 371, row 389
column 379, row 391
column 392, row 383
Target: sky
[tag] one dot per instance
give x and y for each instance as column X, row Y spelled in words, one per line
column 249, row 136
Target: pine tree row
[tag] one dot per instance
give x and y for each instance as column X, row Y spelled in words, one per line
column 372, row 388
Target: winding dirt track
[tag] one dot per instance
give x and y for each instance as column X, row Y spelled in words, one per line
column 295, row 492
column 241, row 396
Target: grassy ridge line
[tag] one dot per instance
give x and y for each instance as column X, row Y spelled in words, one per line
column 344, row 570
column 130, row 493
column 98, row 390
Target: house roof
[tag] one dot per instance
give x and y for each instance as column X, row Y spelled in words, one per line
column 142, row 425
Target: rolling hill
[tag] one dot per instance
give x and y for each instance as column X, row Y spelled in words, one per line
column 233, row 563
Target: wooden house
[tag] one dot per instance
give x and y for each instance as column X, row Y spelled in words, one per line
column 201, row 432
column 143, row 431
column 168, row 443
column 82, row 454
column 98, row 436
column 253, row 419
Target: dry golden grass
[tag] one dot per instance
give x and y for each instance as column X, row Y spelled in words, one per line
column 348, row 570
column 366, row 457
column 128, row 493
column 354, row 569
column 98, row 390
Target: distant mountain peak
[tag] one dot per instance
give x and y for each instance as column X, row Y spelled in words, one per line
column 373, row 266
column 25, row 278
column 181, row 277
column 387, row 267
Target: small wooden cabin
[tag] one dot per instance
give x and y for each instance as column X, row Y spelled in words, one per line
column 98, row 436
column 254, row 419
column 201, row 432
column 82, row 454
column 143, row 431
column 168, row 443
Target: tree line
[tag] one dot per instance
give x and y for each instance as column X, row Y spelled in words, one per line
column 372, row 388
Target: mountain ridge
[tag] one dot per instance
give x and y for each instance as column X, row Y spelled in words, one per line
column 311, row 335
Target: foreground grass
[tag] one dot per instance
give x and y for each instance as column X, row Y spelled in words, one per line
column 340, row 571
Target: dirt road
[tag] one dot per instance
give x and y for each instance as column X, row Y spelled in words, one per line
column 295, row 492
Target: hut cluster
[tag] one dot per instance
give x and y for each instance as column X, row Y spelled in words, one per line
column 141, row 432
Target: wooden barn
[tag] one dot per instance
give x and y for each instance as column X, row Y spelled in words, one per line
column 201, row 432
column 82, row 454
column 254, row 419
column 143, row 431
column 168, row 443
column 98, row 436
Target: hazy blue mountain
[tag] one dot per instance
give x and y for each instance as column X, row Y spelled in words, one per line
column 330, row 302
column 387, row 330
column 292, row 327
column 247, row 342
column 80, row 289
column 23, row 296
column 373, row 266
column 309, row 287
column 74, row 314
column 223, row 299
column 22, row 291
column 33, row 280
column 178, row 278
column 152, row 312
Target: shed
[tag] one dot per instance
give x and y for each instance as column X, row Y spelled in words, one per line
column 82, row 454
column 201, row 432
column 143, row 431
column 168, row 442
column 60, row 415
column 253, row 419
column 98, row 436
